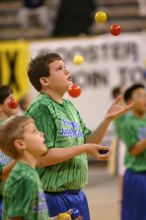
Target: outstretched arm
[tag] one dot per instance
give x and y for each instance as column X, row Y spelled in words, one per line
column 115, row 111
column 57, row 155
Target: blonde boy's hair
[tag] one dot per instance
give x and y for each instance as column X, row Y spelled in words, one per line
column 11, row 130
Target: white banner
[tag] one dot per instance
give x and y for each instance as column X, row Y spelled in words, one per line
column 109, row 62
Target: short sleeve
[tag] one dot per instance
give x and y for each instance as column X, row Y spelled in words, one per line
column 128, row 135
column 44, row 123
column 20, row 197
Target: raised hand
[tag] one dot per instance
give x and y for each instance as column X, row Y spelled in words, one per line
column 117, row 109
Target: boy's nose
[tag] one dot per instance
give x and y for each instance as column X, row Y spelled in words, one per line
column 41, row 133
column 66, row 72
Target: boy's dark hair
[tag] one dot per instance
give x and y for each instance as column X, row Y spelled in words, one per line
column 38, row 67
column 116, row 92
column 129, row 92
column 5, row 91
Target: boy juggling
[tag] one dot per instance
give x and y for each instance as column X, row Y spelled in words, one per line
column 67, row 138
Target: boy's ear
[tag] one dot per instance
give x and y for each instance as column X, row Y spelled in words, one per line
column 44, row 81
column 19, row 144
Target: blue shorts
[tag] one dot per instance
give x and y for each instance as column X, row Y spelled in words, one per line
column 134, row 196
column 63, row 201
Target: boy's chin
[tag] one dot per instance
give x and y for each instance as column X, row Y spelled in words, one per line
column 67, row 87
column 70, row 83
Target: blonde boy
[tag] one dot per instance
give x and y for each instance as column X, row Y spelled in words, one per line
column 23, row 196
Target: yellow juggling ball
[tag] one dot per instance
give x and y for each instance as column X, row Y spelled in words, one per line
column 64, row 216
column 78, row 59
column 100, row 17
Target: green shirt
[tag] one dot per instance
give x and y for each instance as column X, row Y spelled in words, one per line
column 119, row 123
column 23, row 195
column 63, row 127
column 133, row 131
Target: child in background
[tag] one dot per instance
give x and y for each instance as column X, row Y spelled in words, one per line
column 23, row 196
column 6, row 96
column 134, row 135
column 116, row 162
column 7, row 109
column 66, row 136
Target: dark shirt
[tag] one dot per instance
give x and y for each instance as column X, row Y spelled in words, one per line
column 33, row 3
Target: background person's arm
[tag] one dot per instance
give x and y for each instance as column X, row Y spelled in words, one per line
column 138, row 148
